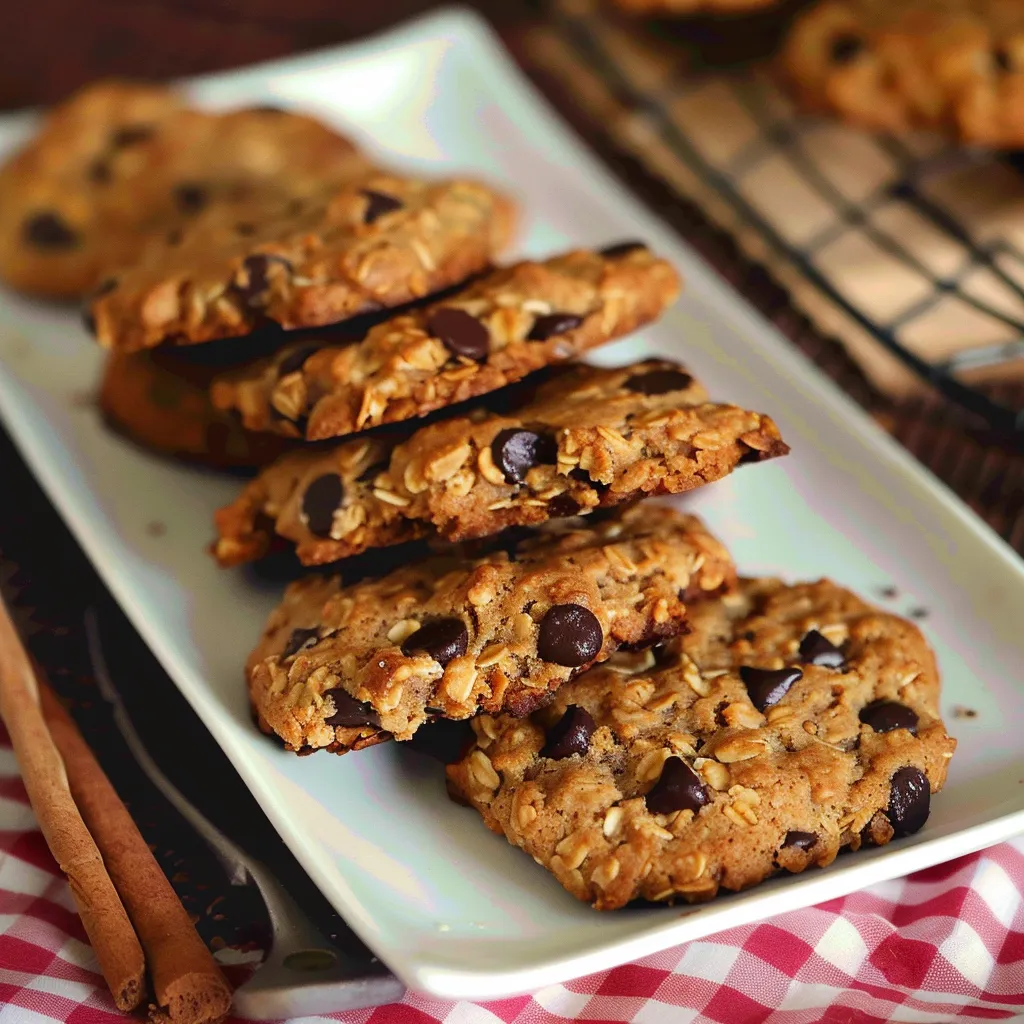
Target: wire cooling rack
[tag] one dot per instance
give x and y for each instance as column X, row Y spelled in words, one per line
column 910, row 247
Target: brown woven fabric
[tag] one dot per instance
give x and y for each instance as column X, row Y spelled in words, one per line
column 983, row 467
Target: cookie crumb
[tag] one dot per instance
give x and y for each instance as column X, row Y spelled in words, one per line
column 156, row 528
column 959, row 711
column 919, row 613
column 889, row 592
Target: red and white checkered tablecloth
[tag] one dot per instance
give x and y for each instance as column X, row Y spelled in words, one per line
column 945, row 944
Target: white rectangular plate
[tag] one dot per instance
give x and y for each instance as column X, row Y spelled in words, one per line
column 453, row 909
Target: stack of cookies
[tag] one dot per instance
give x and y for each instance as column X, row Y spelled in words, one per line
column 623, row 706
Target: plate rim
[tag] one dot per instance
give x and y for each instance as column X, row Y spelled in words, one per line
column 480, row 44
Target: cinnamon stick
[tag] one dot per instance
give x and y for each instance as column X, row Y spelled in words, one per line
column 186, row 981
column 103, row 915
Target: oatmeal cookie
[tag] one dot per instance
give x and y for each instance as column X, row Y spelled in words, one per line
column 790, row 722
column 162, row 402
column 506, row 325
column 121, row 164
column 345, row 667
column 896, row 65
column 589, row 438
column 370, row 244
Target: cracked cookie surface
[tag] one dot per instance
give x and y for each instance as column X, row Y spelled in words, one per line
column 121, row 165
column 589, row 438
column 345, row 667
column 790, row 722
column 370, row 244
column 504, row 326
column 897, row 65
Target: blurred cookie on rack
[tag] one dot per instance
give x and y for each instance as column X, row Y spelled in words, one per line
column 895, row 65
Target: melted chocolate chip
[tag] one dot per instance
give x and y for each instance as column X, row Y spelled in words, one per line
column 569, row 635
column 294, row 360
column 570, row 734
column 322, row 499
column 846, row 48
column 442, row 639
column 545, row 327
column 190, row 198
column 678, row 789
column 799, row 840
column 816, row 649
column 99, row 172
column 767, row 686
column 658, row 382
column 516, row 452
column 298, row 640
column 886, row 715
column 379, row 203
column 561, row 505
column 130, row 135
column 620, row 249
column 48, row 230
column 350, row 712
column 909, row 801
column 460, row 333
column 254, row 292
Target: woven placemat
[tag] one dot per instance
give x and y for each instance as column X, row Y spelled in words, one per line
column 622, row 84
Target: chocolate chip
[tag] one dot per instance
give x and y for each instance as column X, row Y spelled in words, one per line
column 378, row 204
column 516, row 452
column 816, row 649
column 767, row 686
column 130, row 135
column 322, row 499
column 886, row 715
column 561, row 505
column 1002, row 59
column 570, row 734
column 190, row 198
column 350, row 712
column 254, row 292
column 460, row 333
column 799, row 840
column 545, row 327
column 442, row 639
column 569, row 635
column 443, row 740
column 658, row 382
column 909, row 801
column 678, row 789
column 614, row 252
column 99, row 172
column 298, row 640
column 48, row 230
column 294, row 360
column 846, row 48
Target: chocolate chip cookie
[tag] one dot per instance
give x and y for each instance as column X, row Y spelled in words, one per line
column 340, row 668
column 895, row 65
column 673, row 8
column 790, row 722
column 506, row 325
column 588, row 438
column 162, row 402
column 368, row 245
column 121, row 164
